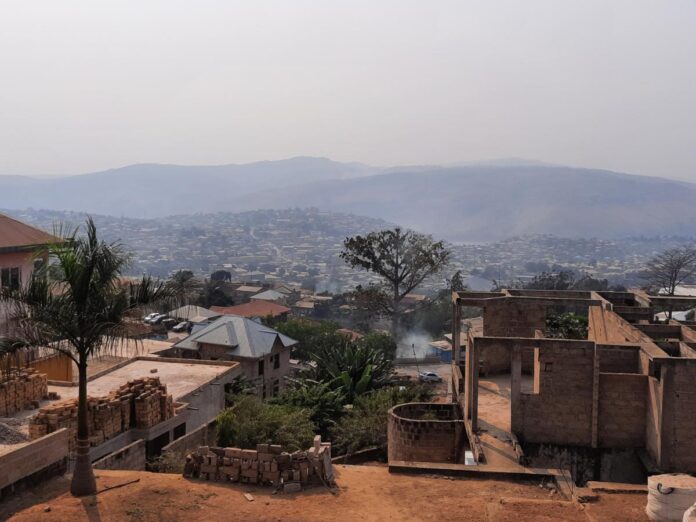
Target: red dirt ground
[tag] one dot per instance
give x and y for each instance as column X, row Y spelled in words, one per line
column 367, row 493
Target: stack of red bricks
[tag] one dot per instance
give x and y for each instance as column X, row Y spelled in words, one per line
column 108, row 416
column 22, row 389
column 268, row 464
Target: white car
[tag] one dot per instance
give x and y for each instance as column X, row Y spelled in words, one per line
column 429, row 377
column 150, row 317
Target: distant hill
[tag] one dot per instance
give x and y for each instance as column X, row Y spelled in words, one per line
column 483, row 203
column 480, row 202
column 156, row 190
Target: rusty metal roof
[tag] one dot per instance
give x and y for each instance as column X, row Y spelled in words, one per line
column 15, row 234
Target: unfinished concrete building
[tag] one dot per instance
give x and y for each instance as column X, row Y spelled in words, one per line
column 616, row 404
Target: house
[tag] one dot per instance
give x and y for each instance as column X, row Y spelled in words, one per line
column 303, row 308
column 264, row 354
column 270, row 295
column 22, row 249
column 243, row 293
column 258, row 308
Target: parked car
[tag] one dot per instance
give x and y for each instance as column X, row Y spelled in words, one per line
column 429, row 377
column 168, row 323
column 150, row 317
column 158, row 319
column 183, row 326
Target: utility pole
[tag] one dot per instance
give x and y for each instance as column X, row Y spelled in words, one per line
column 413, row 347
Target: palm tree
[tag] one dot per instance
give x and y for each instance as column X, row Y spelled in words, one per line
column 355, row 367
column 80, row 309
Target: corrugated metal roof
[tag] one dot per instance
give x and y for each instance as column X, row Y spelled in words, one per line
column 245, row 337
column 269, row 295
column 189, row 312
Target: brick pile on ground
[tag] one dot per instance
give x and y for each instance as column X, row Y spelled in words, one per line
column 141, row 403
column 22, row 389
column 268, row 464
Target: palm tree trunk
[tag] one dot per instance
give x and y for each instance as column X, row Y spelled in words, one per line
column 83, row 482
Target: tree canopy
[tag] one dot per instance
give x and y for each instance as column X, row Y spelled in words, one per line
column 667, row 270
column 401, row 258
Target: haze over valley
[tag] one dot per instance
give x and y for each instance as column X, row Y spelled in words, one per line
column 472, row 202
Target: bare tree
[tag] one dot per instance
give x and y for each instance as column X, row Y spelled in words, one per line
column 667, row 270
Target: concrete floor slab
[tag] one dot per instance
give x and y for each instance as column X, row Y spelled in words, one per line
column 181, row 378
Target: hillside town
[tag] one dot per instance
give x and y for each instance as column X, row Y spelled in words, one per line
column 241, row 379
column 301, row 247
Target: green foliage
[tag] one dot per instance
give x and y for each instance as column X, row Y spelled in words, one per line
column 365, row 425
column 562, row 280
column 380, row 342
column 355, row 367
column 221, row 275
column 251, row 421
column 240, row 385
column 566, row 326
column 212, row 294
column 566, row 280
column 402, row 259
column 325, row 404
column 456, row 283
column 311, row 335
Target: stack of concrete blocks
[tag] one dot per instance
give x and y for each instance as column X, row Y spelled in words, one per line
column 268, row 464
column 21, row 390
column 152, row 404
column 108, row 416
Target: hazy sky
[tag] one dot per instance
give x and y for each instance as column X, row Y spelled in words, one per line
column 88, row 85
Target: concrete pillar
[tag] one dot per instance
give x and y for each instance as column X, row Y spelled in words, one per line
column 515, row 389
column 595, row 398
column 456, row 327
column 467, row 381
column 474, row 386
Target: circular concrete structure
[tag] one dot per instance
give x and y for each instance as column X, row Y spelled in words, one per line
column 425, row 432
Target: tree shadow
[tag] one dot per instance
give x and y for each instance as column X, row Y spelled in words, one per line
column 91, row 507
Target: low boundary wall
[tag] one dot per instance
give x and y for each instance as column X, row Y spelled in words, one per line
column 34, row 462
column 129, row 457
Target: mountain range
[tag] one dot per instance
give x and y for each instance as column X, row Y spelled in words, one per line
column 465, row 202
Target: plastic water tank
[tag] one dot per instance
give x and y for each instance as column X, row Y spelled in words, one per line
column 670, row 496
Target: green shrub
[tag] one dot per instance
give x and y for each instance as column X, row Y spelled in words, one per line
column 365, row 425
column 566, row 326
column 251, row 421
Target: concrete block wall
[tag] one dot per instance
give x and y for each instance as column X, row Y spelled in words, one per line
column 622, row 410
column 425, row 432
column 618, row 359
column 204, row 435
column 561, row 411
column 130, row 457
column 496, row 358
column 678, row 434
column 513, row 318
column 49, row 453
